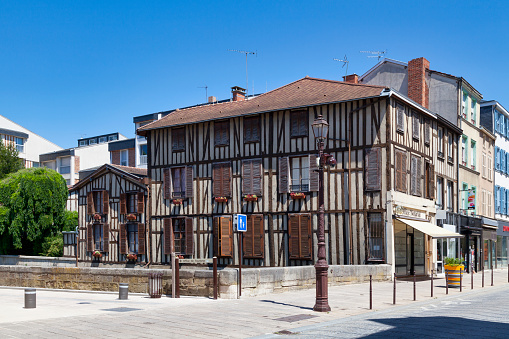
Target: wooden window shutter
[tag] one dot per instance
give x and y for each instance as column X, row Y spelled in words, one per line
column 216, row 180
column 141, row 238
column 226, row 180
column 123, row 203
column 189, row 237
column 314, row 182
column 432, row 182
column 106, row 202
column 258, row 236
column 294, row 124
column 106, row 237
column 397, row 170
column 167, row 183
column 427, row 132
column 247, row 177
column 141, row 202
column 404, row 172
column 168, row 236
column 226, row 237
column 189, row 182
column 90, row 203
column 415, row 125
column 123, row 239
column 305, row 237
column 247, row 238
column 257, row 177
column 221, row 180
column 284, row 175
column 413, row 175
column 90, row 238
column 400, row 117
column 419, row 176
column 372, row 170
column 215, row 236
column 293, row 237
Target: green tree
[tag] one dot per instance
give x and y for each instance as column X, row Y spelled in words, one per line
column 32, row 207
column 9, row 161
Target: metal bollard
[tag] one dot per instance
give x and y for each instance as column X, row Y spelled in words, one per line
column 215, row 277
column 461, row 279
column 471, row 279
column 491, row 274
column 123, row 291
column 432, row 283
column 30, row 298
column 446, row 283
column 370, row 292
column 177, row 278
column 394, row 291
column 414, row 287
column 482, row 269
column 508, row 273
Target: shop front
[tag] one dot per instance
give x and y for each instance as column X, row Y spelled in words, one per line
column 502, row 244
column 489, row 238
column 471, row 244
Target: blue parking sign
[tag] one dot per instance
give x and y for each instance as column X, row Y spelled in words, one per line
column 240, row 220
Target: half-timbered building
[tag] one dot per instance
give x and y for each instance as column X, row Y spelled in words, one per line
column 111, row 211
column 258, row 157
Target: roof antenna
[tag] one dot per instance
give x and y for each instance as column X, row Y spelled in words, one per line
column 376, row 54
column 345, row 62
column 246, row 53
column 206, row 92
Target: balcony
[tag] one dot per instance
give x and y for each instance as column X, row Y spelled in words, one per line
column 143, row 159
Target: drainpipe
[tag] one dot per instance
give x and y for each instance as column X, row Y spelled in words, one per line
column 77, row 244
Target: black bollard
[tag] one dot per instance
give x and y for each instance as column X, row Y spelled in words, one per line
column 215, row 277
column 414, row 287
column 370, row 292
column 446, row 282
column 30, row 298
column 394, row 291
column 432, row 283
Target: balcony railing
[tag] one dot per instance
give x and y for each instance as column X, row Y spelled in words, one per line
column 143, row 159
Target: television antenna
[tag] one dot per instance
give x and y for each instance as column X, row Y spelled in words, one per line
column 376, row 54
column 246, row 53
column 206, row 92
column 345, row 62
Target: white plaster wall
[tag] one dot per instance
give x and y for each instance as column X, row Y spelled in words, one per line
column 93, row 156
column 501, row 179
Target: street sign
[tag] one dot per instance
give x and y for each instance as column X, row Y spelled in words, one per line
column 240, row 222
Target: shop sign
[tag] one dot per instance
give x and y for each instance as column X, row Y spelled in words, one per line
column 471, row 199
column 506, row 228
column 408, row 212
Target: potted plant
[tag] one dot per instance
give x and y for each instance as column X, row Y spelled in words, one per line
column 297, row 195
column 250, row 197
column 221, row 199
column 454, row 269
column 131, row 217
column 97, row 254
column 177, row 201
column 132, row 257
column 97, row 216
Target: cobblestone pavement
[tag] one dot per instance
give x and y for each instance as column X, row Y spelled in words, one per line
column 74, row 314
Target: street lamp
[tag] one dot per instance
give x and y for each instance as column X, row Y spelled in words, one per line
column 320, row 131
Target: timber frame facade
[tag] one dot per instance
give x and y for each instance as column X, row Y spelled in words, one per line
column 111, row 211
column 258, row 156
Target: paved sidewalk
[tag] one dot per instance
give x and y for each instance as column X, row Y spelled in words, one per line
column 80, row 315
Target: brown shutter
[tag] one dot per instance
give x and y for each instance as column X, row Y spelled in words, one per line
column 419, row 176
column 123, row 203
column 313, row 173
column 215, row 236
column 305, row 237
column 397, row 171
column 400, row 115
column 416, row 125
column 226, row 133
column 90, row 238
column 258, row 236
column 226, row 180
column 247, row 177
column 255, row 129
column 293, row 237
column 413, row 175
column 168, row 236
column 141, row 202
column 372, row 169
column 123, row 239
column 189, row 182
column 257, row 177
column 90, row 203
column 284, row 178
column 247, row 239
column 106, row 237
column 141, row 238
column 432, row 182
column 167, row 183
column 304, row 123
column 226, row 237
column 217, row 176
column 403, row 172
column 189, row 237
column 294, row 124
column 106, row 202
column 217, row 133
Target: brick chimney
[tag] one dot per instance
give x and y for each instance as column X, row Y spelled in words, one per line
column 418, row 89
column 352, row 78
column 238, row 93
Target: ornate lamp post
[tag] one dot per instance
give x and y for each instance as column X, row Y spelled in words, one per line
column 320, row 131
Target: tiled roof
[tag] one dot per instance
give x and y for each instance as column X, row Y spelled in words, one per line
column 301, row 93
column 132, row 170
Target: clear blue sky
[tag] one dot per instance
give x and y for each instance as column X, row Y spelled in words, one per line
column 82, row 68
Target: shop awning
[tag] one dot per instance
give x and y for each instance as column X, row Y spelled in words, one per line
column 430, row 229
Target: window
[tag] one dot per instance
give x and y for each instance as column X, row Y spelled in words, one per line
column 178, row 139
column 375, row 236
column 373, row 169
column 143, row 154
column 415, row 175
column 450, row 148
column 20, row 147
column 502, row 124
column 97, row 202
column 64, row 165
column 178, row 181
column 132, row 202
column 429, row 181
column 472, row 110
column 299, row 236
column 465, row 105
column 483, row 165
column 464, row 151
column 124, row 158
column 415, row 125
column 464, row 198
column 490, row 167
column 252, row 129
column 112, row 138
column 222, row 133
column 253, row 244
column 472, row 204
column 473, row 157
column 299, row 174
column 450, row 195
column 221, row 179
column 299, row 124
column 178, row 236
column 440, row 142
column 83, row 143
column 427, row 132
column 440, row 193
column 401, row 171
column 400, row 118
column 497, row 158
column 103, row 139
column 132, row 237
column 223, row 236
column 252, row 177
column 490, row 198
column 92, row 141
column 98, row 237
column 497, row 199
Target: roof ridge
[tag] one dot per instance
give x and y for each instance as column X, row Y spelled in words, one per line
column 347, row 83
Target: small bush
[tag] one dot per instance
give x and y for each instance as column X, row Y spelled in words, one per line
column 53, row 246
column 452, row 261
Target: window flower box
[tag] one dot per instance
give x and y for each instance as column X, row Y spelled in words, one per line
column 221, row 199
column 97, row 216
column 132, row 257
column 250, row 197
column 131, row 217
column 97, row 254
column 297, row 195
column 178, row 201
column 464, row 163
column 473, row 167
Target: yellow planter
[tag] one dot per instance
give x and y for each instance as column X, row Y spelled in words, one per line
column 454, row 274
